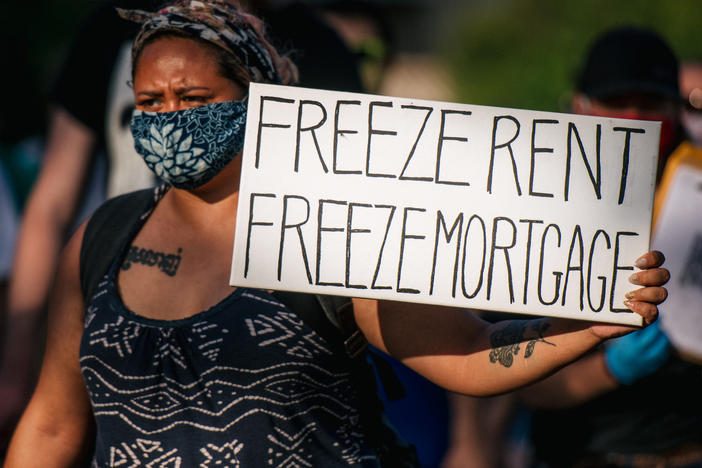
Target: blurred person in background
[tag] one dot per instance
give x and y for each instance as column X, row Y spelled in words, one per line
column 632, row 402
column 21, row 142
column 480, row 432
column 691, row 92
column 632, row 73
column 87, row 133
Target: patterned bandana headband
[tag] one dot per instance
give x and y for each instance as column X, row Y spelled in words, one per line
column 214, row 21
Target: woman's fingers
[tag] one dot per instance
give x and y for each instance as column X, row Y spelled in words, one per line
column 651, row 259
column 652, row 277
column 643, row 301
column 648, row 311
column 652, row 294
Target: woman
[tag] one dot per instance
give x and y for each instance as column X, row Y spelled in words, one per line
column 175, row 367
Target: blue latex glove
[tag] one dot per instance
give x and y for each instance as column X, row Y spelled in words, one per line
column 638, row 354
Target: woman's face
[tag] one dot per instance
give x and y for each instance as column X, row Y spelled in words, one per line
column 174, row 73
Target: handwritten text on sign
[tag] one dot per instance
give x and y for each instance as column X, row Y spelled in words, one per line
column 433, row 202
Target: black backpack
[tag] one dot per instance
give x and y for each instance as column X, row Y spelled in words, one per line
column 330, row 316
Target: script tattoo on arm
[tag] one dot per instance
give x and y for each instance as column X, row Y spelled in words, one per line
column 167, row 263
column 506, row 342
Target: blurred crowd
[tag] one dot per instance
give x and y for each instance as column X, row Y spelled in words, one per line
column 592, row 413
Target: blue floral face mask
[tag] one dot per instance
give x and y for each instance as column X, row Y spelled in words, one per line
column 187, row 148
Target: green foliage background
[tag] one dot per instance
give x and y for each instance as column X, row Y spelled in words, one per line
column 525, row 53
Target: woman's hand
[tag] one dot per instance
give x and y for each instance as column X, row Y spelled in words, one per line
column 644, row 301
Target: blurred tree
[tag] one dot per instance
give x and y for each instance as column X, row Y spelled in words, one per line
column 524, row 53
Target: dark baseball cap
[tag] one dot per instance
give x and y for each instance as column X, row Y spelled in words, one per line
column 629, row 60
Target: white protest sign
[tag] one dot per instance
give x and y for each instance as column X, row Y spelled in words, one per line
column 434, row 202
column 678, row 235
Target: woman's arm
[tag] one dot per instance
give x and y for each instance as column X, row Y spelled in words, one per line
column 465, row 354
column 56, row 428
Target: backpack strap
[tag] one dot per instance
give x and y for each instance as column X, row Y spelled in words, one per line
column 108, row 229
column 333, row 319
column 339, row 311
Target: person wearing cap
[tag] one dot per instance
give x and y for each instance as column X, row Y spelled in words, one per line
column 632, row 401
column 175, row 368
column 632, row 73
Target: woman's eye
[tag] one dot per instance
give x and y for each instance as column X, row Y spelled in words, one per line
column 148, row 103
column 194, row 98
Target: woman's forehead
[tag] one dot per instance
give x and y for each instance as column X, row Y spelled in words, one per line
column 175, row 64
column 176, row 52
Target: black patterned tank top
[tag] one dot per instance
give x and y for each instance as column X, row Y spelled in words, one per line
column 245, row 383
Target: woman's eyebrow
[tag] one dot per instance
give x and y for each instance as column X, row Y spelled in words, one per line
column 182, row 90
column 150, row 93
column 186, row 89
